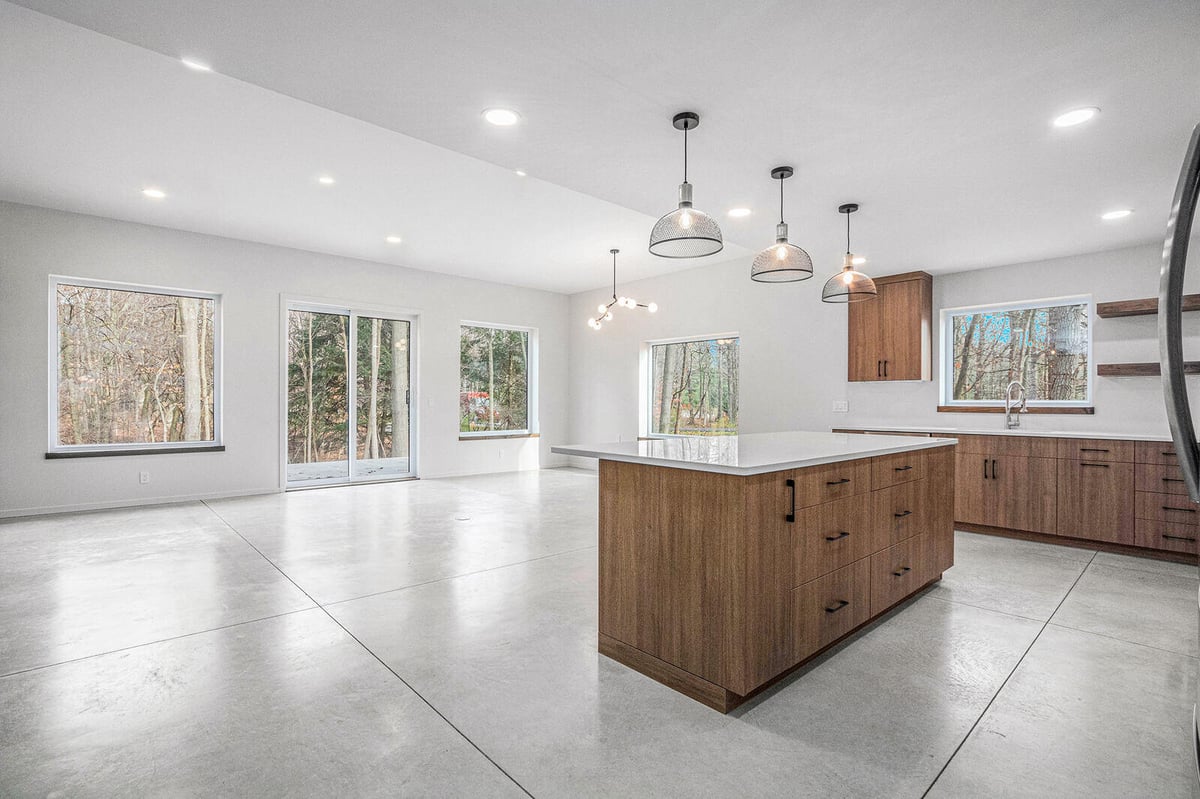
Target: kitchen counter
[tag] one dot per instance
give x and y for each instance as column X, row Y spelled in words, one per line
column 752, row 453
column 1002, row 431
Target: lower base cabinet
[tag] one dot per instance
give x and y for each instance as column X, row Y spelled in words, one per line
column 1095, row 501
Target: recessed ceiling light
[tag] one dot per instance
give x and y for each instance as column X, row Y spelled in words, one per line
column 1120, row 213
column 394, row 239
column 154, row 194
column 1075, row 117
column 738, row 212
column 520, row 172
column 325, row 180
column 858, row 260
column 199, row 66
column 504, row 117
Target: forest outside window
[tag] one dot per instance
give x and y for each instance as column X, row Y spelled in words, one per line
column 1045, row 345
column 133, row 368
column 495, row 379
column 693, row 387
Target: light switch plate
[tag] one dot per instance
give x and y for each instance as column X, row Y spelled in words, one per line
column 841, row 406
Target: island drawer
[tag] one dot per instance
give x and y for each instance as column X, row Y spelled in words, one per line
column 899, row 513
column 1166, row 508
column 897, row 571
column 903, row 467
column 830, row 536
column 1172, row 536
column 1095, row 449
column 1156, row 452
column 818, row 484
column 1163, row 478
column 827, row 608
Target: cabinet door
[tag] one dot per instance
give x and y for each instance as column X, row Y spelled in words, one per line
column 903, row 329
column 1095, row 500
column 973, row 497
column 865, row 361
column 1025, row 495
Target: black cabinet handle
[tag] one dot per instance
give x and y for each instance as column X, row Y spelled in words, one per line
column 1177, row 537
column 837, row 482
column 901, row 468
column 985, row 460
column 903, row 570
column 1179, row 510
column 879, row 368
column 1098, row 465
column 1171, row 453
column 1092, row 449
column 885, row 367
column 993, row 468
column 902, row 514
column 791, row 515
column 1172, row 480
column 838, row 537
column 835, row 607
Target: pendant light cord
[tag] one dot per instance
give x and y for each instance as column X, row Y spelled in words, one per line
column 781, row 201
column 614, row 255
column 685, row 130
column 847, row 233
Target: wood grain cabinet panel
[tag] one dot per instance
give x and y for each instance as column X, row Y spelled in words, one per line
column 818, row 484
column 939, row 507
column 1167, row 508
column 889, row 337
column 1156, row 452
column 890, row 470
column 830, row 536
column 1163, row 478
column 1028, row 446
column 896, row 572
column 1171, row 536
column 1096, row 449
column 974, row 499
column 1095, row 500
column 899, row 513
column 827, row 608
column 864, row 330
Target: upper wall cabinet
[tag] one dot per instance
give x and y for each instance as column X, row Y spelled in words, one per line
column 889, row 336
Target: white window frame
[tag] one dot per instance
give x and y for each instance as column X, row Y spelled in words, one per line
column 53, row 445
column 531, row 380
column 646, row 388
column 947, row 350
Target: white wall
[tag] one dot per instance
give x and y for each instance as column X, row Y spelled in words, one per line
column 793, row 347
column 35, row 243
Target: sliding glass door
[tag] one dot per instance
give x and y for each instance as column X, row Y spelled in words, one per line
column 349, row 396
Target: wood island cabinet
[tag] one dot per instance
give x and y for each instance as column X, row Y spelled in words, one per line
column 889, row 337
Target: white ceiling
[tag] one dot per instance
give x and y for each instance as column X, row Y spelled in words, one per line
column 933, row 115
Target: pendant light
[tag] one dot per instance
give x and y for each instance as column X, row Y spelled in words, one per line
column 849, row 285
column 781, row 262
column 605, row 310
column 685, row 232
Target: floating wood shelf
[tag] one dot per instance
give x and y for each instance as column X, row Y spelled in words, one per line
column 1141, row 369
column 1146, row 307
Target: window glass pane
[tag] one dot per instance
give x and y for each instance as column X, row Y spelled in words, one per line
column 134, row 367
column 318, row 403
column 694, row 387
column 494, row 380
column 1045, row 348
column 382, row 393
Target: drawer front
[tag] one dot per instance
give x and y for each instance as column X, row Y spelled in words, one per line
column 1167, row 508
column 1163, row 478
column 1029, row 446
column 899, row 513
column 830, row 536
column 1095, row 449
column 897, row 572
column 827, row 608
column 890, row 470
column 1155, row 452
column 818, row 484
column 1171, row 536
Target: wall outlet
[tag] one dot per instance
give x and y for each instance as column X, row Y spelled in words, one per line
column 143, row 477
column 841, row 406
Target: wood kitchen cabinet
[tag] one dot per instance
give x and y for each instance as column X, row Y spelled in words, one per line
column 1095, row 500
column 1012, row 491
column 890, row 336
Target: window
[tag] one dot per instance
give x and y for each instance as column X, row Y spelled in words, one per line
column 494, row 380
column 133, row 367
column 1046, row 345
column 693, row 387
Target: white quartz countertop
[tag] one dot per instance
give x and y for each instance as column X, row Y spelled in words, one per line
column 753, row 453
column 993, row 431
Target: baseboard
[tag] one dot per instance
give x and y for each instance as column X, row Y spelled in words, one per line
column 1079, row 543
column 133, row 503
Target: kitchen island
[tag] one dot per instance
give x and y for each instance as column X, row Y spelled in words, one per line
column 726, row 562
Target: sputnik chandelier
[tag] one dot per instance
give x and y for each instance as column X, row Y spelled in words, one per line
column 605, row 310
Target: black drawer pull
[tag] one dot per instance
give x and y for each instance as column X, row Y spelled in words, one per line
column 837, row 482
column 1178, row 538
column 902, row 468
column 1171, row 453
column 903, row 570
column 1172, row 479
column 838, row 537
column 1179, row 510
column 1098, row 465
column 1092, row 449
column 902, row 514
column 834, row 608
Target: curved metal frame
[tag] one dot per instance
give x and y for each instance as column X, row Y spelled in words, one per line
column 1170, row 316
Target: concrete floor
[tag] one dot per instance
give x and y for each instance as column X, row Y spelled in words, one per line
column 438, row 638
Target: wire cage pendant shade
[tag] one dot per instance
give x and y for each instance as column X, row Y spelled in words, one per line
column 849, row 285
column 782, row 262
column 686, row 232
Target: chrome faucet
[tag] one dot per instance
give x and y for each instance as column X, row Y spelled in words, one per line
column 1010, row 420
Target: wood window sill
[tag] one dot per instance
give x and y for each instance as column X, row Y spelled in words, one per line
column 1087, row 411
column 498, row 436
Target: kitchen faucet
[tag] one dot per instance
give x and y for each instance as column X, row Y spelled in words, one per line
column 1010, row 420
